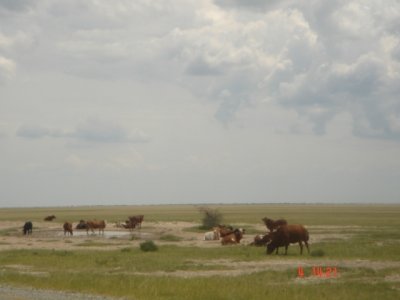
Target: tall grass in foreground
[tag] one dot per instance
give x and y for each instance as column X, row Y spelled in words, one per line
column 264, row 285
column 134, row 274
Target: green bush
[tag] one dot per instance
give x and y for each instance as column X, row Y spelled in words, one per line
column 148, row 246
column 211, row 218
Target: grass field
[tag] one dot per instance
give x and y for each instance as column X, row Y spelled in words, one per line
column 361, row 241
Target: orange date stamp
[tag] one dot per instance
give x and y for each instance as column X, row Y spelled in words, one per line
column 317, row 271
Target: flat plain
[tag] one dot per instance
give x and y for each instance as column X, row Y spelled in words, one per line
column 355, row 254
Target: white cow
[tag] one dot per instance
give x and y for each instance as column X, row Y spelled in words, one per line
column 211, row 235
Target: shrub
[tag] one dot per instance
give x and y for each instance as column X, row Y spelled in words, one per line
column 148, row 246
column 211, row 218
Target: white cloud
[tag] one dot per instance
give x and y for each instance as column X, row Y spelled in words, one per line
column 7, row 69
column 225, row 99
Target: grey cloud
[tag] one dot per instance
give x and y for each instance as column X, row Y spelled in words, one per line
column 91, row 131
column 32, row 132
column 100, row 131
column 255, row 5
column 16, row 5
column 317, row 58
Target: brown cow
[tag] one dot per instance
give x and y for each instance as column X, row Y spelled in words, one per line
column 271, row 224
column 288, row 234
column 233, row 238
column 135, row 221
column 223, row 230
column 68, row 228
column 96, row 225
column 49, row 218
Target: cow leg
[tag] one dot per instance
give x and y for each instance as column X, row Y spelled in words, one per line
column 308, row 249
column 301, row 247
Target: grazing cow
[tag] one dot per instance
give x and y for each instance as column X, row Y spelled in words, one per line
column 135, row 221
column 81, row 225
column 272, row 225
column 27, row 229
column 49, row 218
column 212, row 235
column 233, row 238
column 288, row 234
column 261, row 240
column 100, row 225
column 68, row 228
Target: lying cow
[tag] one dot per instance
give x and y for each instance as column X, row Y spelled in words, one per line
column 100, row 225
column 224, row 230
column 212, row 235
column 27, row 229
column 261, row 240
column 233, row 238
column 68, row 228
column 288, row 234
column 272, row 225
column 49, row 218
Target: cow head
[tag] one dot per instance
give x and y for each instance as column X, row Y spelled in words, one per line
column 270, row 248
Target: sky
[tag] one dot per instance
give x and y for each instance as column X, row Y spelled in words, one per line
column 199, row 101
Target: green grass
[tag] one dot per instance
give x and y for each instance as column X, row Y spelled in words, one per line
column 372, row 237
column 309, row 214
column 113, row 273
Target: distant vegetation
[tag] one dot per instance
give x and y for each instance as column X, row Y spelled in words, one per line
column 211, row 218
column 148, row 246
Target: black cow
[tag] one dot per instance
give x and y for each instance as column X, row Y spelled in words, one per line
column 27, row 229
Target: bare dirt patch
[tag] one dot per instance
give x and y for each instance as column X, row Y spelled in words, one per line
column 50, row 235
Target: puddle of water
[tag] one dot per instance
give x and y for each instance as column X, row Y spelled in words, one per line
column 107, row 234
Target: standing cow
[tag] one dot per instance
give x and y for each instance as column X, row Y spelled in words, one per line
column 272, row 225
column 100, row 225
column 27, row 229
column 136, row 220
column 288, row 234
column 68, row 228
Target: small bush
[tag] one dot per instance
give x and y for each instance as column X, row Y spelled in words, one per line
column 148, row 246
column 317, row 253
column 211, row 218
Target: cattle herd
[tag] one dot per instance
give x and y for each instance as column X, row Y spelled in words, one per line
column 279, row 232
column 131, row 223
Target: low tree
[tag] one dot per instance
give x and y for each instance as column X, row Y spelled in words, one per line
column 211, row 218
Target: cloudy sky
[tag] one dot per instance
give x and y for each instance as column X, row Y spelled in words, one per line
column 199, row 101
